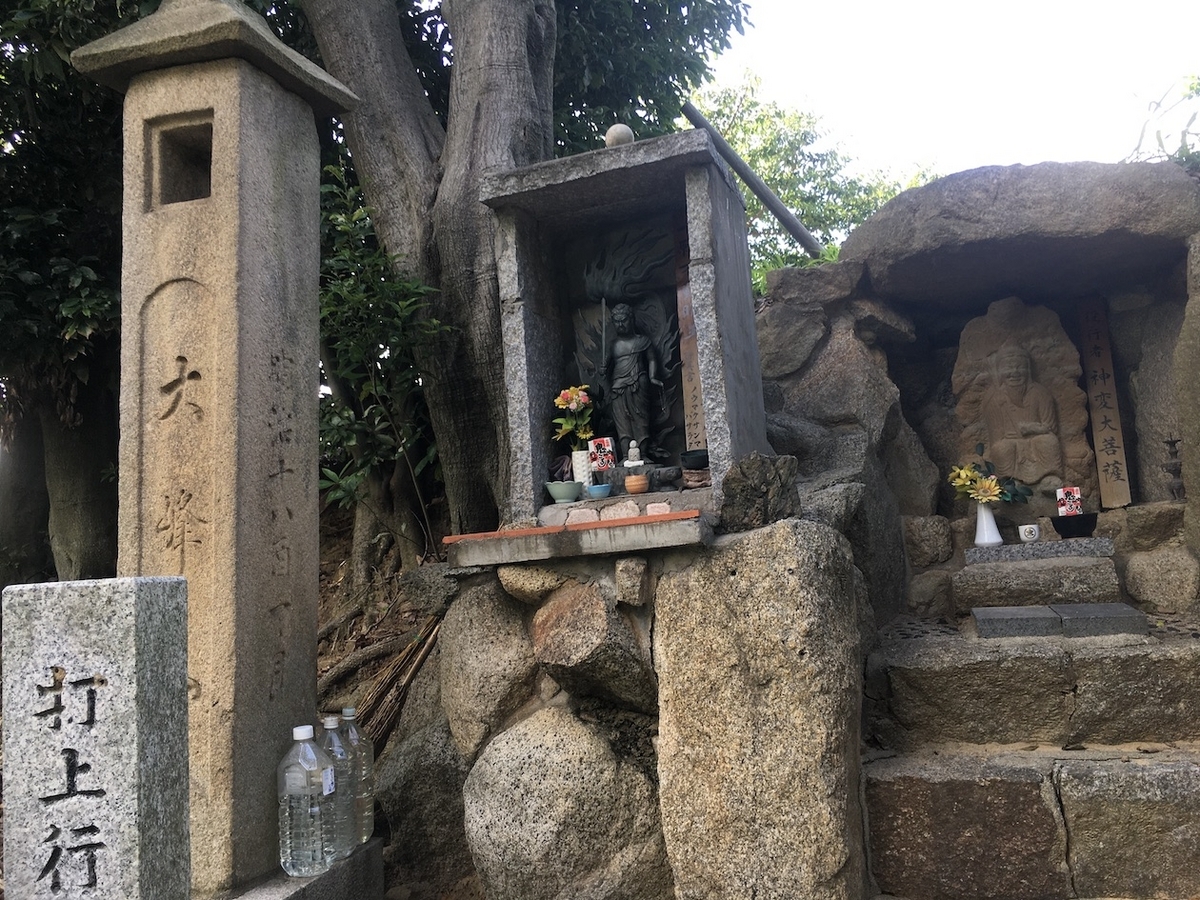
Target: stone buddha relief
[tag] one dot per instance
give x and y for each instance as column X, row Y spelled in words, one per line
column 1016, row 383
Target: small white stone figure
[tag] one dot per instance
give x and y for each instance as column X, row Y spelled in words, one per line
column 633, row 457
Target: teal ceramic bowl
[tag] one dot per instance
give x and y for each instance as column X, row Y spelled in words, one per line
column 564, row 491
column 599, row 491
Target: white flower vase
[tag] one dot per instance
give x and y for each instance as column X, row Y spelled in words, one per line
column 986, row 532
column 581, row 467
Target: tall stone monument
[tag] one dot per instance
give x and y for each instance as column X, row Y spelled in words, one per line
column 219, row 388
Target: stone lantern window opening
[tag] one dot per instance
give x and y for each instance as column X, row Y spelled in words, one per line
column 179, row 165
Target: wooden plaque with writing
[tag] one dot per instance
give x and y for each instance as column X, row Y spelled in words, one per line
column 1107, row 437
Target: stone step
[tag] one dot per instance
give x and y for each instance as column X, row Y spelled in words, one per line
column 1035, row 582
column 1041, row 824
column 932, row 684
column 1100, row 546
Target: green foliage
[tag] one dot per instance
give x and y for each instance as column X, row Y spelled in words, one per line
column 1184, row 150
column 615, row 60
column 633, row 62
column 374, row 411
column 60, row 201
column 782, row 146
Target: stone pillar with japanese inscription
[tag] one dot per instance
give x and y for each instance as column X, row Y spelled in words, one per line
column 96, row 740
column 219, row 375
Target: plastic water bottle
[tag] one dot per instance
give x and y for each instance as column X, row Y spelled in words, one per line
column 306, row 783
column 365, row 753
column 345, row 816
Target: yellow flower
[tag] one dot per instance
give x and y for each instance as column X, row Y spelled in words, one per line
column 963, row 476
column 986, row 490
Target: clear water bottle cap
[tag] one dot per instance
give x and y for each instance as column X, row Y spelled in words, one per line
column 348, row 712
column 302, row 733
column 330, row 722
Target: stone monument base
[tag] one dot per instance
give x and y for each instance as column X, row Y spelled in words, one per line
column 358, row 877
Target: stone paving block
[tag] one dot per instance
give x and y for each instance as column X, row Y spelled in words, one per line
column 951, row 827
column 622, row 509
column 978, row 692
column 1148, row 691
column 1036, row 582
column 1134, row 826
column 1096, row 619
column 1087, row 547
column 1016, row 621
column 582, row 516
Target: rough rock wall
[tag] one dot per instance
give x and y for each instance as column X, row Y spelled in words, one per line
column 858, row 356
column 832, row 404
column 544, row 753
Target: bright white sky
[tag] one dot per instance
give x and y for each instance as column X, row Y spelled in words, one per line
column 956, row 84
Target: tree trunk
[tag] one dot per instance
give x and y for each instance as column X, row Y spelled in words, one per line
column 500, row 118
column 79, row 463
column 390, row 505
column 393, row 134
column 24, row 507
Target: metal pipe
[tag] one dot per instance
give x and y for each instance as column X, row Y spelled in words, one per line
column 770, row 200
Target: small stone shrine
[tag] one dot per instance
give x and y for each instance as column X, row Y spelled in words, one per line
column 626, row 269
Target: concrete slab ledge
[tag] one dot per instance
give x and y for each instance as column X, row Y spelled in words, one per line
column 1059, row 619
column 359, row 877
column 1094, row 546
column 676, row 529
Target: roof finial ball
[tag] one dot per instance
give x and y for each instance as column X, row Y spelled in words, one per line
column 617, row 135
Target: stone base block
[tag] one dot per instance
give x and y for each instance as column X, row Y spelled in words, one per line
column 943, row 689
column 1067, row 691
column 1035, row 826
column 1134, row 826
column 947, row 828
column 1036, row 582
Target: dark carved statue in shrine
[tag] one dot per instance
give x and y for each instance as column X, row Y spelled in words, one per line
column 627, row 342
column 632, row 380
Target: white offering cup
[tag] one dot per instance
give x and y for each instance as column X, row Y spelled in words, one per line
column 1028, row 533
